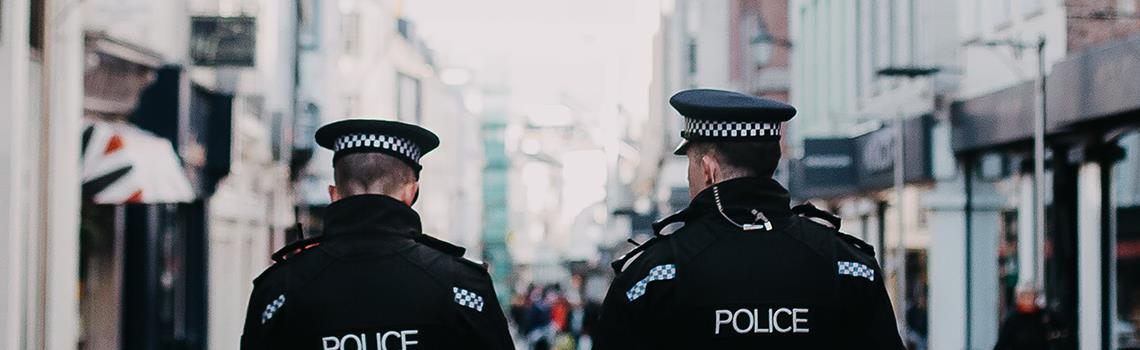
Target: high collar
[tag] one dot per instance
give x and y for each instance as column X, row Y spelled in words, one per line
column 739, row 197
column 371, row 213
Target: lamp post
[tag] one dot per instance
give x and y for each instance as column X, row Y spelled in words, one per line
column 1039, row 118
column 763, row 45
column 909, row 72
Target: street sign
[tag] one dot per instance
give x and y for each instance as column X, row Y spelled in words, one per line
column 223, row 41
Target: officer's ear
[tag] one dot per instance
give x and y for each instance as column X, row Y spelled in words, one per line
column 333, row 195
column 410, row 193
column 710, row 168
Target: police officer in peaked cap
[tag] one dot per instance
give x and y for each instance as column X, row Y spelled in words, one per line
column 373, row 280
column 745, row 271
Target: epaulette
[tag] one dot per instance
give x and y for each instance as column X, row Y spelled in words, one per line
column 292, row 249
column 478, row 265
column 857, row 243
column 618, row 264
column 451, row 249
column 810, row 211
column 440, row 245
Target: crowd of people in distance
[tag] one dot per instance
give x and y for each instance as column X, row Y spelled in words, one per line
column 551, row 318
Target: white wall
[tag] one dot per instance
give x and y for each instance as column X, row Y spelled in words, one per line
column 986, row 69
column 64, row 66
column 823, row 67
column 160, row 26
column 39, row 185
column 983, row 277
column 1090, row 262
column 14, row 163
column 947, row 269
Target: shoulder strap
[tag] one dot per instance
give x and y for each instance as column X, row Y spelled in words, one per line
column 440, row 245
column 638, row 248
column 810, row 211
column 295, row 247
column 857, row 243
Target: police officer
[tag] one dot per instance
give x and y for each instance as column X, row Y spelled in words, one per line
column 745, row 270
column 373, row 280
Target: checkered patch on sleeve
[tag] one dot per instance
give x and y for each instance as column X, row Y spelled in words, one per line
column 272, row 308
column 467, row 298
column 856, row 269
column 399, row 145
column 658, row 273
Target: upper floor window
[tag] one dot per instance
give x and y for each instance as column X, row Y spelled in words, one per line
column 350, row 32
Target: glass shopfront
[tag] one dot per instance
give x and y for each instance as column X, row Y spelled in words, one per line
column 1124, row 240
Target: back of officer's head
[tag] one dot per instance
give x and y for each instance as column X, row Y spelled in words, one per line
column 373, row 173
column 714, row 162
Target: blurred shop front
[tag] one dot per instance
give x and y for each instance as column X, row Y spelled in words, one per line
column 1088, row 262
column 154, row 147
column 853, row 177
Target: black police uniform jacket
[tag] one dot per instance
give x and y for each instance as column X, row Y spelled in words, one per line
column 714, row 285
column 374, row 281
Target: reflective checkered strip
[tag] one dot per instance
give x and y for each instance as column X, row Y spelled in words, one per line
column 856, row 269
column 397, row 144
column 658, row 273
column 715, row 128
column 466, row 298
column 272, row 308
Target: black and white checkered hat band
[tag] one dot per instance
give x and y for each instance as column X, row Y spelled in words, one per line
column 715, row 128
column 399, row 145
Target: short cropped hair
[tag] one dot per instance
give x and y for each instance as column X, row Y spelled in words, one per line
column 371, row 173
column 750, row 158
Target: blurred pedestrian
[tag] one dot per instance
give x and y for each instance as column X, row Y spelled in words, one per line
column 916, row 321
column 745, row 271
column 540, row 333
column 1028, row 327
column 520, row 303
column 374, row 280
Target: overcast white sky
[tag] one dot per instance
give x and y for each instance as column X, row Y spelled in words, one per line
column 596, row 51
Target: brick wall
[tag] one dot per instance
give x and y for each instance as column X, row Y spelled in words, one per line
column 1094, row 22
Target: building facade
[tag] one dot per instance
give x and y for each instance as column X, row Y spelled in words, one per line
column 969, row 228
column 41, row 67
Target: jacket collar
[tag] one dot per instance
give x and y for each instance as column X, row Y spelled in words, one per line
column 739, row 197
column 373, row 214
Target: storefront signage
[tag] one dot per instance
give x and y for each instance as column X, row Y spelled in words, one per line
column 877, row 154
column 995, row 119
column 1096, row 83
column 223, row 41
column 827, row 168
column 837, row 167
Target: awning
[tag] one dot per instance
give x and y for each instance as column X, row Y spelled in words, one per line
column 124, row 164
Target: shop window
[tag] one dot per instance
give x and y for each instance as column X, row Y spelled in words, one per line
column 692, row 54
column 1125, row 247
column 1008, row 271
column 1031, row 7
column 408, row 96
column 350, row 31
column 36, row 27
column 1002, row 12
column 1125, row 8
column 350, row 107
column 916, row 314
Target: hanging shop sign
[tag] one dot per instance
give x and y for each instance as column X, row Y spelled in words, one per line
column 223, row 41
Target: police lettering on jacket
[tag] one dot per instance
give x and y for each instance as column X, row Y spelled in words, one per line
column 778, row 320
column 381, row 340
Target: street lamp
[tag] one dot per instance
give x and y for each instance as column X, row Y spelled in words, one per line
column 1039, row 118
column 763, row 45
column 909, row 72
